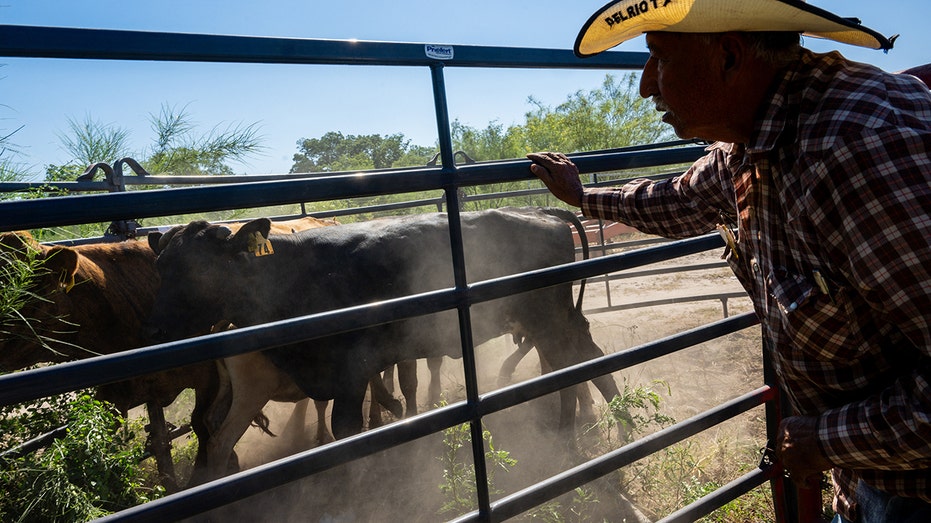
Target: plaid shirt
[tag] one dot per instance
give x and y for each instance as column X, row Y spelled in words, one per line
column 831, row 200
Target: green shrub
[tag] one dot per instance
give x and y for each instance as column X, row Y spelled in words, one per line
column 458, row 486
column 90, row 472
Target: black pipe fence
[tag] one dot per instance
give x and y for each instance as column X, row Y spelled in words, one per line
column 448, row 177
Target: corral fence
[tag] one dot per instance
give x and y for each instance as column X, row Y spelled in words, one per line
column 123, row 207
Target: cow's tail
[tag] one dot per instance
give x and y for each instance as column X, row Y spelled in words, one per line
column 572, row 219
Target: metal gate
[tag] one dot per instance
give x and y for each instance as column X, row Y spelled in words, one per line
column 42, row 42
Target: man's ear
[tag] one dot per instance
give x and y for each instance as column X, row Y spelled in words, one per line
column 733, row 49
column 62, row 262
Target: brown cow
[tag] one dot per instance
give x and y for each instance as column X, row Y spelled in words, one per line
column 92, row 299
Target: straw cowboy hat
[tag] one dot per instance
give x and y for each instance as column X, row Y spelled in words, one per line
column 622, row 20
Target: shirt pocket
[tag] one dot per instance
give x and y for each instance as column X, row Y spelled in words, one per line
column 816, row 324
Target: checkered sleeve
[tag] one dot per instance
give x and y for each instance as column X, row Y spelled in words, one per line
column 874, row 195
column 679, row 207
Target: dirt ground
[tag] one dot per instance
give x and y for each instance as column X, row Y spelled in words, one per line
column 403, row 484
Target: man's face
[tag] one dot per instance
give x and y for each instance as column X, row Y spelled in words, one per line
column 681, row 78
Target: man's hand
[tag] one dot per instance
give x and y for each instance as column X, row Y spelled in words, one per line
column 560, row 175
column 797, row 448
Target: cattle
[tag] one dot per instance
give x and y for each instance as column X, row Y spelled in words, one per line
column 93, row 299
column 267, row 278
column 88, row 300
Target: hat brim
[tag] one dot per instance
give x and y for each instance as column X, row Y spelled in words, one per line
column 622, row 20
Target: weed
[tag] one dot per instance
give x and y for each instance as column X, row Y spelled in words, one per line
column 90, row 472
column 458, row 486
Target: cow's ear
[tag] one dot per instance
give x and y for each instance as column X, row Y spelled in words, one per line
column 62, row 262
column 252, row 238
column 20, row 243
column 153, row 238
column 158, row 241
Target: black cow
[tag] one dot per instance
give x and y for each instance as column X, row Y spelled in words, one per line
column 249, row 278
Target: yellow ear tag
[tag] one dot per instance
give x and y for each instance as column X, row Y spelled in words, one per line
column 66, row 282
column 259, row 245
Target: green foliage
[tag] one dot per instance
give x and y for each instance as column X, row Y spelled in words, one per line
column 10, row 169
column 178, row 151
column 681, row 473
column 90, row 472
column 337, row 152
column 88, row 141
column 575, row 509
column 613, row 116
column 20, row 271
column 21, row 423
column 756, row 505
column 634, row 412
column 458, row 486
column 491, row 143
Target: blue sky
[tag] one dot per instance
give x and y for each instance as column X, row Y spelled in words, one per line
column 292, row 102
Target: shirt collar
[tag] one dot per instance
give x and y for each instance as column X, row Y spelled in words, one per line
column 774, row 115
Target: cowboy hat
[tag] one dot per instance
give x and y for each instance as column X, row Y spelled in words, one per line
column 622, row 20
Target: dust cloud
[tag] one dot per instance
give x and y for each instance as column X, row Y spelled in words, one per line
column 404, row 483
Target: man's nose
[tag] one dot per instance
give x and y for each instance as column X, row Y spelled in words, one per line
column 648, row 85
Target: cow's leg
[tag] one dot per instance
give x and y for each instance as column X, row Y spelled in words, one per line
column 295, row 429
column 388, row 378
column 323, row 435
column 375, row 420
column 510, row 363
column 567, row 396
column 435, row 390
column 587, row 414
column 588, row 349
column 220, row 447
column 567, row 401
column 204, row 394
column 160, row 446
column 407, row 377
column 252, row 381
column 347, row 411
column 222, row 397
column 381, row 397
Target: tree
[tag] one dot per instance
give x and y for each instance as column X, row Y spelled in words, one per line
column 494, row 142
column 336, row 152
column 10, row 169
column 177, row 149
column 611, row 116
column 606, row 118
column 88, row 141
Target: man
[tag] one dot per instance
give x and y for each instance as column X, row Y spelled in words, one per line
column 820, row 179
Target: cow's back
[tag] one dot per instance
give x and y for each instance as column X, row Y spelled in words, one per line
column 382, row 259
column 115, row 288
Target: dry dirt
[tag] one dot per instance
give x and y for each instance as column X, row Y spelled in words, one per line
column 403, row 484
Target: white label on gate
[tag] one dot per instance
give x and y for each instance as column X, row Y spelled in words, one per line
column 439, row 52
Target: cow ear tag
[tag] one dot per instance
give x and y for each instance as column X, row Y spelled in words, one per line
column 66, row 282
column 259, row 245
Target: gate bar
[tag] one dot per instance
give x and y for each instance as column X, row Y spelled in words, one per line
column 530, row 497
column 108, row 44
